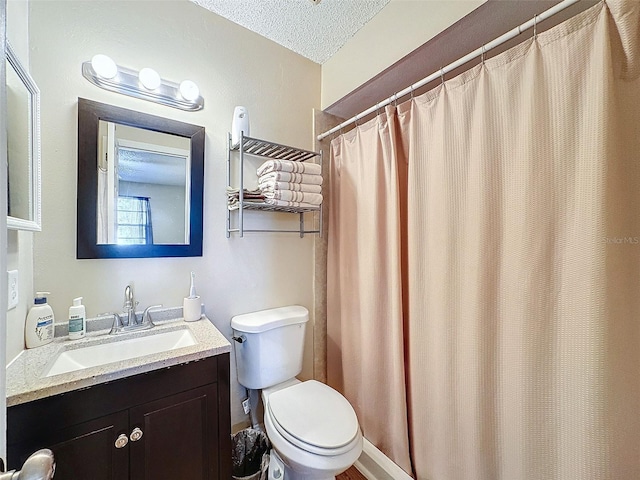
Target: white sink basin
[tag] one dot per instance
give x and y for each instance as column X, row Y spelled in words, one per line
column 116, row 351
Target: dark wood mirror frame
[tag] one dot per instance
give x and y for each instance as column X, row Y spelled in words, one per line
column 89, row 115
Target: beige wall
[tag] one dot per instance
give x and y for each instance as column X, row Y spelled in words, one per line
column 18, row 28
column 232, row 66
column 19, row 244
column 399, row 28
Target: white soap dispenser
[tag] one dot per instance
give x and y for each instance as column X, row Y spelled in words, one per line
column 38, row 329
column 77, row 319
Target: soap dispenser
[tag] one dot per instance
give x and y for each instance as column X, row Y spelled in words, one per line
column 38, row 329
column 77, row 319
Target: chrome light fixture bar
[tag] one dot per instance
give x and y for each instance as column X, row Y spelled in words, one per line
column 146, row 84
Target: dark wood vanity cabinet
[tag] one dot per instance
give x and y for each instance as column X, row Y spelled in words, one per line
column 178, row 433
column 172, row 423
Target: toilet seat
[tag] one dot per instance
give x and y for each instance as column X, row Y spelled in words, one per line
column 314, row 417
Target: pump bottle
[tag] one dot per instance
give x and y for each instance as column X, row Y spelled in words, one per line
column 77, row 319
column 39, row 327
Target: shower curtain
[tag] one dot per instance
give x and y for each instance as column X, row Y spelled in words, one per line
column 364, row 283
column 522, row 329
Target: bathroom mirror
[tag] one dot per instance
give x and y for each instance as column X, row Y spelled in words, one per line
column 140, row 184
column 23, row 147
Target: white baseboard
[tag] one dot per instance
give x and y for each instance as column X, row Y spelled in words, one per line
column 375, row 465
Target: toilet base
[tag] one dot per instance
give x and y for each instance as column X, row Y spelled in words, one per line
column 300, row 464
column 278, row 470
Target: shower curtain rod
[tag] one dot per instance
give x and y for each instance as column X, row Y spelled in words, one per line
column 470, row 56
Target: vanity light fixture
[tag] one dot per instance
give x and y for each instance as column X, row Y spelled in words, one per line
column 149, row 78
column 104, row 66
column 147, row 84
column 189, row 90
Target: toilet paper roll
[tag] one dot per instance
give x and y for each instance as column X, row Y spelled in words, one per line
column 191, row 309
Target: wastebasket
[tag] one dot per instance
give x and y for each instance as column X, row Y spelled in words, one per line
column 250, row 455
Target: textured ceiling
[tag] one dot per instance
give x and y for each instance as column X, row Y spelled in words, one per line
column 315, row 31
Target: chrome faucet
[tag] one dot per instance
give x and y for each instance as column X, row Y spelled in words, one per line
column 128, row 321
column 130, row 306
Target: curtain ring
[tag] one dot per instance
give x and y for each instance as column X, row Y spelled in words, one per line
column 482, row 56
column 395, row 99
column 442, row 76
column 377, row 109
column 535, row 27
column 356, row 120
column 411, row 92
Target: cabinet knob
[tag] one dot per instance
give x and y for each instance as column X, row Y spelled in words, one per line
column 136, row 434
column 122, row 441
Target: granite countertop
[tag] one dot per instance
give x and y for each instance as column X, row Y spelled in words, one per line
column 25, row 375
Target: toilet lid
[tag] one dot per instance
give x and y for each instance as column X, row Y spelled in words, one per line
column 314, row 414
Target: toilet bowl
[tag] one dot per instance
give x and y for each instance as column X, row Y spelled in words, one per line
column 313, row 429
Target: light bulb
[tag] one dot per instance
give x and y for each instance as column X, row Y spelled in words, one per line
column 149, row 78
column 104, row 66
column 189, row 90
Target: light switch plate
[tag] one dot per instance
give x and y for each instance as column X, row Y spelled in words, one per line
column 12, row 283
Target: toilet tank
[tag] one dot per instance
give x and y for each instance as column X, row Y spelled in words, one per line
column 269, row 345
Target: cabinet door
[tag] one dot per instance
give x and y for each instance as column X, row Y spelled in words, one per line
column 179, row 437
column 84, row 451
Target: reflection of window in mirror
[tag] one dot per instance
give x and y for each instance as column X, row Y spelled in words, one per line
column 135, row 225
column 18, row 146
column 153, row 168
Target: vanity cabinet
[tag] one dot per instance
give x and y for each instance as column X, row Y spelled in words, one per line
column 165, row 424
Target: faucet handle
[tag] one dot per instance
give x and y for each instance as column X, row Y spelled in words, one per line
column 146, row 316
column 117, row 322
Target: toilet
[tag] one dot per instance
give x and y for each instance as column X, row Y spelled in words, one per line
column 313, row 429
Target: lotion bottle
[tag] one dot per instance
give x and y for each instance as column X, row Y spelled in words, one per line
column 38, row 329
column 77, row 320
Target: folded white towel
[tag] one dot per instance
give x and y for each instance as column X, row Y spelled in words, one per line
column 289, row 196
column 272, row 186
column 233, row 203
column 233, row 195
column 289, row 166
column 284, row 203
column 247, row 191
column 290, row 177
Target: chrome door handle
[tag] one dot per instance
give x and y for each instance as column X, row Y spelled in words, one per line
column 136, row 434
column 122, row 441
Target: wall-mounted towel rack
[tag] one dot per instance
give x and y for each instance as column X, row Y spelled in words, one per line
column 270, row 150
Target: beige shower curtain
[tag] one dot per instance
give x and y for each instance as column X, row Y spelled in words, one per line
column 522, row 333
column 365, row 344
